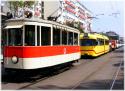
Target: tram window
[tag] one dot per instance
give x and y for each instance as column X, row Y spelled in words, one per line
column 64, row 37
column 70, row 38
column 4, row 37
column 30, row 35
column 106, row 42
column 38, row 35
column 45, row 35
column 88, row 42
column 15, row 37
column 75, row 39
column 56, row 36
column 101, row 42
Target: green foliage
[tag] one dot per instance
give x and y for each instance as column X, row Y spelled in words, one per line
column 79, row 28
column 29, row 3
column 14, row 5
column 76, row 25
column 21, row 3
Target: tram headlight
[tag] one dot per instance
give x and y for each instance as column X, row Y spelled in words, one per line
column 14, row 59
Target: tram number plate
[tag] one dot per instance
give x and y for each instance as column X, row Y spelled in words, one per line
column 64, row 50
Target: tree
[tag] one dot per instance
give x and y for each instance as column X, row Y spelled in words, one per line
column 76, row 25
column 14, row 5
column 80, row 28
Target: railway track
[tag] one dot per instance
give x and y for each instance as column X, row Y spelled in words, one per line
column 62, row 70
column 40, row 78
column 47, row 74
column 54, row 73
column 114, row 77
column 112, row 83
column 76, row 85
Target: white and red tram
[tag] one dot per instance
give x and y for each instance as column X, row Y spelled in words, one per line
column 35, row 43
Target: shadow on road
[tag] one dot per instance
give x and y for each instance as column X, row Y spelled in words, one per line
column 31, row 76
column 87, row 57
column 118, row 64
column 102, row 85
column 119, row 56
column 15, row 77
column 93, row 85
column 119, row 51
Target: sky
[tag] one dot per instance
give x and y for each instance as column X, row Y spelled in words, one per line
column 109, row 15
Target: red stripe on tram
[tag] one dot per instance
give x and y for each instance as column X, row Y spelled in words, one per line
column 37, row 51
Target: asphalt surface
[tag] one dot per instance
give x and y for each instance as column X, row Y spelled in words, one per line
column 105, row 72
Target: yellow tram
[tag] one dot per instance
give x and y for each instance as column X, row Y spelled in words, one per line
column 93, row 44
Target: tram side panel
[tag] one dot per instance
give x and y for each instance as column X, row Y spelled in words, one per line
column 102, row 47
column 98, row 50
column 107, row 46
column 39, row 57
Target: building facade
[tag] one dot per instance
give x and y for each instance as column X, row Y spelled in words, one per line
column 63, row 11
column 66, row 11
column 112, row 35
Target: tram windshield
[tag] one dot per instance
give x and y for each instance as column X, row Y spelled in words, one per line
column 88, row 42
column 14, row 37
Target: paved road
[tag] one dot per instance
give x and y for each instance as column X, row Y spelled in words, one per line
column 111, row 76
column 104, row 72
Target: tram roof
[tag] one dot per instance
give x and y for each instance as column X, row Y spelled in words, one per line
column 40, row 21
column 94, row 36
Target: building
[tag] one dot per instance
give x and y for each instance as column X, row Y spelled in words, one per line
column 112, row 35
column 3, row 13
column 66, row 11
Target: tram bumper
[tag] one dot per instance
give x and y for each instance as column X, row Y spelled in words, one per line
column 85, row 53
column 8, row 63
column 88, row 53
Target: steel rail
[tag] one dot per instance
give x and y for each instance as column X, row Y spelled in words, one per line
column 115, row 76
